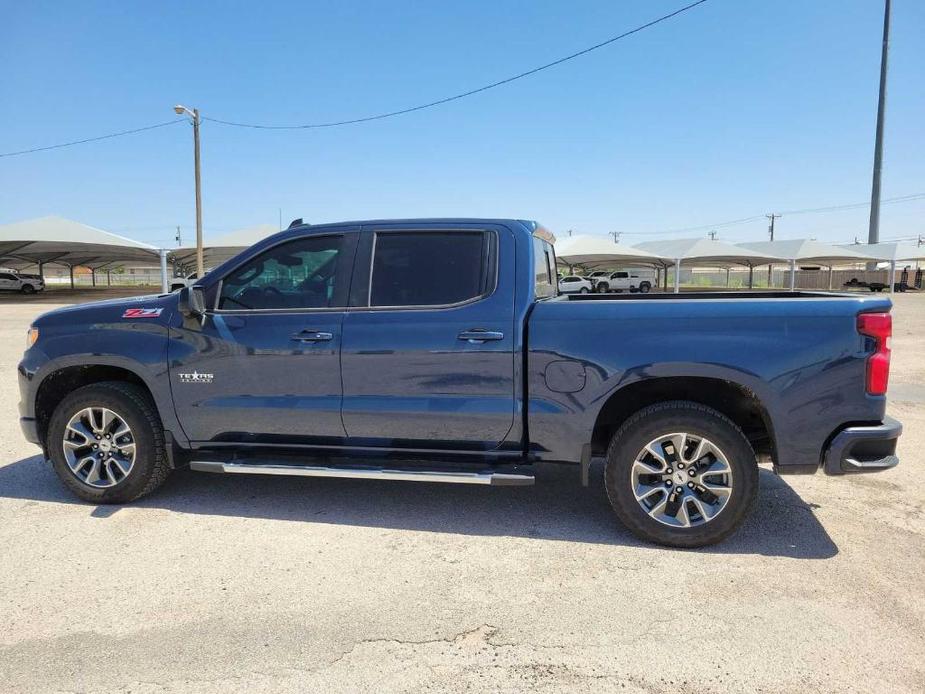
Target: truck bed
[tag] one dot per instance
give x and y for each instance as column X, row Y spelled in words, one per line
column 717, row 295
column 797, row 353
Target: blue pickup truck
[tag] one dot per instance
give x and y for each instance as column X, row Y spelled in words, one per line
column 439, row 350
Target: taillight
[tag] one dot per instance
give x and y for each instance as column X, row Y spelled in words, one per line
column 878, row 326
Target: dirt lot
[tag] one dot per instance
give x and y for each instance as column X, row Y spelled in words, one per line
column 218, row 584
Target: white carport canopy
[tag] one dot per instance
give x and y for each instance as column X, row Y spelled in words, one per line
column 705, row 252
column 66, row 242
column 220, row 248
column 892, row 253
column 808, row 251
column 596, row 251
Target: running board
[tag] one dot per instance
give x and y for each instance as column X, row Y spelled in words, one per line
column 489, row 477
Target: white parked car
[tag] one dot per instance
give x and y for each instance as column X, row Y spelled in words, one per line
column 624, row 280
column 573, row 284
column 26, row 284
column 598, row 275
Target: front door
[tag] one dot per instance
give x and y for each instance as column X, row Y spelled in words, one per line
column 263, row 366
column 428, row 347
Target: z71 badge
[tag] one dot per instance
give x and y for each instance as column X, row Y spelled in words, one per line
column 142, row 312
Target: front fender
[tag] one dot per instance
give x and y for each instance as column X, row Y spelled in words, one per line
column 105, row 345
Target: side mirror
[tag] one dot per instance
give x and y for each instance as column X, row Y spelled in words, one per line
column 192, row 301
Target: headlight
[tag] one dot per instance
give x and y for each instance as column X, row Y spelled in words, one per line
column 31, row 337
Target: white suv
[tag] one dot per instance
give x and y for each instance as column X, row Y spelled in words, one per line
column 623, row 280
column 26, row 284
column 573, row 284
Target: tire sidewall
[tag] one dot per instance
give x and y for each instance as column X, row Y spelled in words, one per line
column 145, row 443
column 680, row 418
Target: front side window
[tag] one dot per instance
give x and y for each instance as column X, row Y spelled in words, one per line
column 433, row 268
column 295, row 275
column 621, row 275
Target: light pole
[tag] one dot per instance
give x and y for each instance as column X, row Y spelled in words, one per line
column 194, row 115
column 873, row 233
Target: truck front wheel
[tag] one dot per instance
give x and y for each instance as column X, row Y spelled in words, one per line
column 680, row 474
column 106, row 443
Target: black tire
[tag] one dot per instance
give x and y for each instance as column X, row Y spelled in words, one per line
column 645, row 287
column 680, row 417
column 602, row 287
column 583, row 290
column 27, row 289
column 133, row 404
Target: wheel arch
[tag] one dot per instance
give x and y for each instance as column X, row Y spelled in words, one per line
column 64, row 377
column 730, row 398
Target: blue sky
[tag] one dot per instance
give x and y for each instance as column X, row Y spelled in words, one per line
column 733, row 109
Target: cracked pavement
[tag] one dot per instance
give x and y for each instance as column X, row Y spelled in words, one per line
column 230, row 584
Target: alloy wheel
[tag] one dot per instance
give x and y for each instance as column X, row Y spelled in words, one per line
column 681, row 480
column 99, row 447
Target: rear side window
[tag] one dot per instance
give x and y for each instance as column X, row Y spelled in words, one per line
column 432, row 268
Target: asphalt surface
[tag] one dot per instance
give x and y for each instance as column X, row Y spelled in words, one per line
column 224, row 584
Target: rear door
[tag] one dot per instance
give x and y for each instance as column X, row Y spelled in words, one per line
column 428, row 347
column 263, row 366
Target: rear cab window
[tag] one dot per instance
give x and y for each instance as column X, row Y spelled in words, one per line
column 544, row 261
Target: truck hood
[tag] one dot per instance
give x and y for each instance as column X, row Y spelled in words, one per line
column 156, row 308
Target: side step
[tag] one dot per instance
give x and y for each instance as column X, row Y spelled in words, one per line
column 488, row 476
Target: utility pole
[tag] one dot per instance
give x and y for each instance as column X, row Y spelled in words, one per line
column 179, row 238
column 713, row 235
column 873, row 234
column 772, row 217
column 616, row 235
column 194, row 115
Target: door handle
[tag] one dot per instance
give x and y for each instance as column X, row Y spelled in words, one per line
column 312, row 336
column 479, row 335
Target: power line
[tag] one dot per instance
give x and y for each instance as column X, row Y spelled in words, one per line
column 93, row 139
column 462, row 95
column 855, row 205
column 755, row 218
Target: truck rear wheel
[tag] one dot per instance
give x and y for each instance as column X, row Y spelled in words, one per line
column 106, row 443
column 680, row 474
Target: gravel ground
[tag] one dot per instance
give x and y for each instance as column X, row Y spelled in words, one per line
column 223, row 584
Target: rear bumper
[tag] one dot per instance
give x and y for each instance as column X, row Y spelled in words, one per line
column 863, row 448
